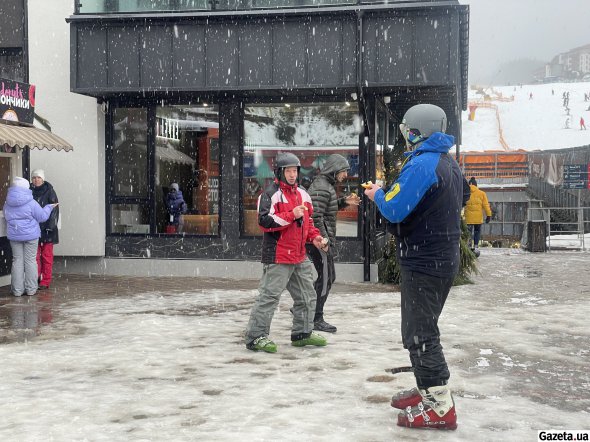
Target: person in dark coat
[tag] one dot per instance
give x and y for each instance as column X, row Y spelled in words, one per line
column 325, row 208
column 175, row 204
column 44, row 194
column 423, row 208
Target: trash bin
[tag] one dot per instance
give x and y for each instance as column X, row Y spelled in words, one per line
column 537, row 236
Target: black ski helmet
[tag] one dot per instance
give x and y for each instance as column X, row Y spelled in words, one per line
column 286, row 159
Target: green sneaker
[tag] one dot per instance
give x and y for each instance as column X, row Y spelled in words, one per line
column 312, row 339
column 262, row 343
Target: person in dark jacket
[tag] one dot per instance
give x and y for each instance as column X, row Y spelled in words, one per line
column 424, row 208
column 44, row 194
column 284, row 216
column 325, row 208
column 175, row 204
column 23, row 215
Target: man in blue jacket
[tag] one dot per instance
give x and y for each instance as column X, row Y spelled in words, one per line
column 424, row 209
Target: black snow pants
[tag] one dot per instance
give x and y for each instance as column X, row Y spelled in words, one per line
column 422, row 299
column 324, row 266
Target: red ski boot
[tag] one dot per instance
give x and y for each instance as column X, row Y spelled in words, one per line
column 436, row 411
column 406, row 398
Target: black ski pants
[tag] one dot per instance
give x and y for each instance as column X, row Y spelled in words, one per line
column 324, row 266
column 422, row 300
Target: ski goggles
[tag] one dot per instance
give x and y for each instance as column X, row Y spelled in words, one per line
column 412, row 136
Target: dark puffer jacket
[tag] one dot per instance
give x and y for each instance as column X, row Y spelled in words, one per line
column 323, row 196
column 44, row 195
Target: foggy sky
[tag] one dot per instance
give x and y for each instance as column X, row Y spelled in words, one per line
column 506, row 30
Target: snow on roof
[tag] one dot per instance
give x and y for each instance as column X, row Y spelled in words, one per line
column 537, row 123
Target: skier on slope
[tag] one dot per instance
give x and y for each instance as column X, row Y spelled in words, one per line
column 424, row 209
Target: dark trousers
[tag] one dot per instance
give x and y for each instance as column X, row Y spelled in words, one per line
column 324, row 266
column 475, row 230
column 422, row 300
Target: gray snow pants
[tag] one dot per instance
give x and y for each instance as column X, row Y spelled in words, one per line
column 297, row 279
column 23, row 276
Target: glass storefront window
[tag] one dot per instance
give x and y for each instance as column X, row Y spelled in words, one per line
column 130, row 218
column 115, row 6
column 130, row 174
column 310, row 131
column 187, row 153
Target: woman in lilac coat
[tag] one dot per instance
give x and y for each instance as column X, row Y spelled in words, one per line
column 23, row 215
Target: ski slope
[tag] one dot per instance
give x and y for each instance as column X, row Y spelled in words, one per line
column 530, row 124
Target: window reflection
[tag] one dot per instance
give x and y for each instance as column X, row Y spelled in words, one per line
column 130, row 152
column 113, row 6
column 187, row 154
column 310, row 131
column 130, row 219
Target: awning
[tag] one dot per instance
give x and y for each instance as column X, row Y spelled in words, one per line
column 172, row 155
column 31, row 137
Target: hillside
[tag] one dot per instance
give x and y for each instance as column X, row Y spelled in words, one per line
column 531, row 124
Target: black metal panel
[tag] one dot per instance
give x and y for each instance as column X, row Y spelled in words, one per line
column 222, row 55
column 389, row 50
column 189, row 56
column 432, row 52
column 123, row 56
column 5, row 256
column 325, row 52
column 91, row 62
column 409, row 50
column 349, row 51
column 207, row 248
column 12, row 24
column 156, row 57
column 289, row 53
column 230, row 120
column 256, row 54
column 305, row 49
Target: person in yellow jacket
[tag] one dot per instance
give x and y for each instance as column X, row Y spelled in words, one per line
column 477, row 204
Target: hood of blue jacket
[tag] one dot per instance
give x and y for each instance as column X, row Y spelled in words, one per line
column 18, row 196
column 437, row 142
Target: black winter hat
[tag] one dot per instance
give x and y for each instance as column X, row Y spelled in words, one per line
column 472, row 181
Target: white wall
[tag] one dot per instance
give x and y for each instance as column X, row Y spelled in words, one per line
column 78, row 175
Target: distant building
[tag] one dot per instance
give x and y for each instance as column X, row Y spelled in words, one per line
column 572, row 64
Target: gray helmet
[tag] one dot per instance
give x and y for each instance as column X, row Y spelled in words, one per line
column 286, row 159
column 423, row 120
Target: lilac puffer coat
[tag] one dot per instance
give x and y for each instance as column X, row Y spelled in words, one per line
column 23, row 215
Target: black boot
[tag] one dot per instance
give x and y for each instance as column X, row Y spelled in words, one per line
column 321, row 325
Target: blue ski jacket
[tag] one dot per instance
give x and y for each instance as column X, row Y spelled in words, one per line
column 424, row 208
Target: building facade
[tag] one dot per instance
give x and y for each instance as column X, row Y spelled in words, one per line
column 204, row 94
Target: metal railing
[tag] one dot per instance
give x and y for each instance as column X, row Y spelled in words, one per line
column 141, row 6
column 495, row 164
column 572, row 222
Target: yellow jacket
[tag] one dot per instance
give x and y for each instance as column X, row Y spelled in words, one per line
column 478, row 202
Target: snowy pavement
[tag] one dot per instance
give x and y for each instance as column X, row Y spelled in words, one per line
column 159, row 365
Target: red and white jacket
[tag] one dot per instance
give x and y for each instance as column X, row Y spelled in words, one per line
column 284, row 238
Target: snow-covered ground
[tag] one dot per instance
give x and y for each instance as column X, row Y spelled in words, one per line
column 158, row 366
column 530, row 124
